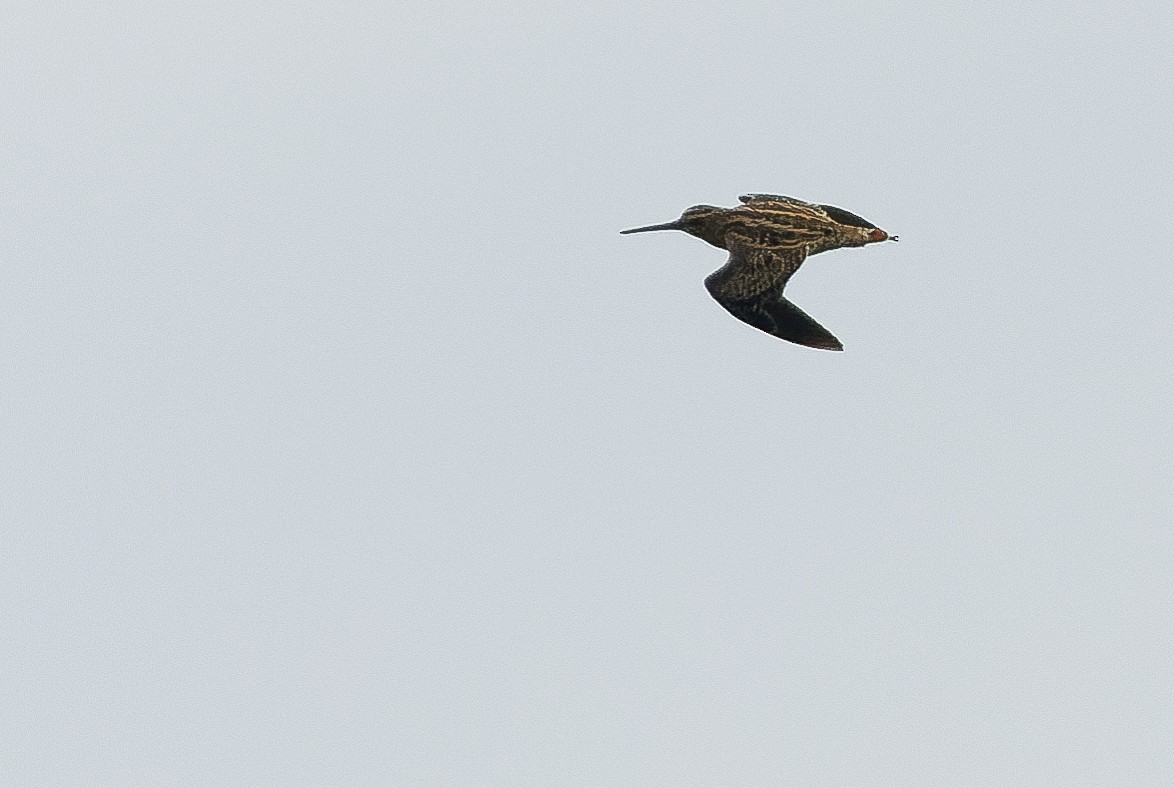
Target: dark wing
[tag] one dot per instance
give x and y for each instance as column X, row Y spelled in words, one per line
column 846, row 217
column 753, row 198
column 777, row 202
column 750, row 287
column 786, row 210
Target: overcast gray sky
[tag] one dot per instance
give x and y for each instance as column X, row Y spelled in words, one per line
column 345, row 441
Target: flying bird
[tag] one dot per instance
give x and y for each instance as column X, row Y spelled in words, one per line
column 768, row 238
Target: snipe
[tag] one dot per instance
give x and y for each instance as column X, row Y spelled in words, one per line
column 768, row 238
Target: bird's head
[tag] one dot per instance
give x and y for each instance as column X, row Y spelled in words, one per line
column 697, row 221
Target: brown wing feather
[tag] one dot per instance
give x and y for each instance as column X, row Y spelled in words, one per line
column 762, row 198
column 784, row 211
column 750, row 287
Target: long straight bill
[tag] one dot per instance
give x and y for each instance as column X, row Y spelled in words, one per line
column 667, row 226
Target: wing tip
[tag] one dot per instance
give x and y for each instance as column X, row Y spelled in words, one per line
column 833, row 344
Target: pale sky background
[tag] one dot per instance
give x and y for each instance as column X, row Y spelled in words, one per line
column 346, row 442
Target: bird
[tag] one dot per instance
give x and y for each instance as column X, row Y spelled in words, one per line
column 768, row 237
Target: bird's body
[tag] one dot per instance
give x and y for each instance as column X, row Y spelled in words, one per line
column 768, row 238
